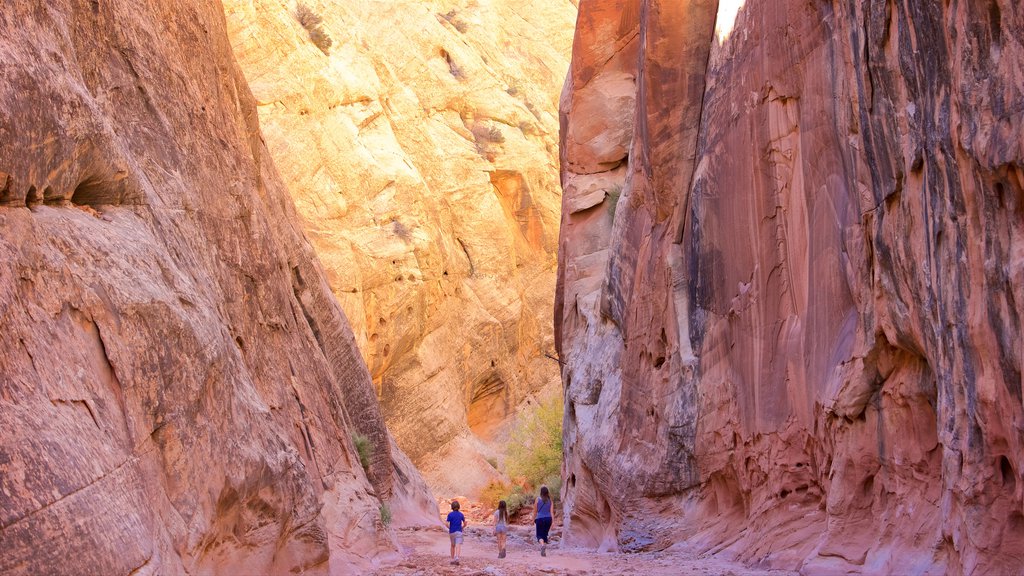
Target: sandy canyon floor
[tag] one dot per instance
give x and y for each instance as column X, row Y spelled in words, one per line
column 426, row 552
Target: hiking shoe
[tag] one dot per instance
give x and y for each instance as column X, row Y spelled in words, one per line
column 501, row 554
column 543, row 550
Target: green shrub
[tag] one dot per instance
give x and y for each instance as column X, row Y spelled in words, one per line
column 311, row 21
column 364, row 448
column 535, row 446
column 494, row 492
column 515, row 496
column 385, row 514
column 517, row 499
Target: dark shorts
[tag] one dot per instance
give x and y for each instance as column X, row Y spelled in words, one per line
column 543, row 526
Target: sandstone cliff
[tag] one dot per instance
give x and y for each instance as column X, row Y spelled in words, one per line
column 791, row 277
column 421, row 151
column 178, row 387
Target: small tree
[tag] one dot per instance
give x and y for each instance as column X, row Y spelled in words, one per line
column 535, row 446
column 311, row 21
column 364, row 448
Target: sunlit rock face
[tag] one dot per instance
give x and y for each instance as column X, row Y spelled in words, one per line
column 178, row 387
column 791, row 277
column 422, row 154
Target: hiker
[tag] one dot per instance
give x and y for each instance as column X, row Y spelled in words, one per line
column 456, row 523
column 501, row 527
column 543, row 519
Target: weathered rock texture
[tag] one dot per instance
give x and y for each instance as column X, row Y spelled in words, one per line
column 791, row 281
column 422, row 155
column 178, row 387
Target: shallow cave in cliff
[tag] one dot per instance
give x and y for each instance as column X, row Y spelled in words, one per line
column 489, row 408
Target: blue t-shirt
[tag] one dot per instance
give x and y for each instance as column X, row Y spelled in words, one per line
column 455, row 520
column 543, row 508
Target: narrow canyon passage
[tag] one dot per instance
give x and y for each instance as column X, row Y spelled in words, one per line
column 421, row 149
column 739, row 281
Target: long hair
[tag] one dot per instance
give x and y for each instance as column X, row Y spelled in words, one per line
column 545, row 494
column 502, row 512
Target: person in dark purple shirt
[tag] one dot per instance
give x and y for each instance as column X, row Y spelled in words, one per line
column 456, row 522
column 543, row 519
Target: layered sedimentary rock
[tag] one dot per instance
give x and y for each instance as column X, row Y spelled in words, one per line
column 178, row 387
column 791, row 277
column 421, row 150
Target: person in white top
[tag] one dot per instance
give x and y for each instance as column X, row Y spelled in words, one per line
column 501, row 527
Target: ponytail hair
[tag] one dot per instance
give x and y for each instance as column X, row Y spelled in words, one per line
column 503, row 512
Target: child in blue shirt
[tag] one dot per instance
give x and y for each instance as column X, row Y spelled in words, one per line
column 456, row 522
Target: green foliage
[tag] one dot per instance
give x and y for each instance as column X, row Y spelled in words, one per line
column 515, row 497
column 364, row 448
column 535, row 446
column 311, row 21
column 385, row 515
column 494, row 492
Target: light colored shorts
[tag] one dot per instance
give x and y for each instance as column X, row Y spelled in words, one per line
column 456, row 537
column 501, row 529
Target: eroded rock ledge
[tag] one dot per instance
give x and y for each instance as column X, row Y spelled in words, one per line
column 179, row 387
column 791, row 277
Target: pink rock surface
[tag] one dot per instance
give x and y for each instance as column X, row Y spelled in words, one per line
column 790, row 306
column 178, row 387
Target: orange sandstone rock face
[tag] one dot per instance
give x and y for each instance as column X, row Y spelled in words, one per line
column 178, row 387
column 421, row 152
column 791, row 277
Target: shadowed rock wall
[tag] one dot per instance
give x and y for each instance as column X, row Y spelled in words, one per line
column 178, row 387
column 791, row 276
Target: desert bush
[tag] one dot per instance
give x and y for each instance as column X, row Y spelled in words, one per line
column 494, row 134
column 535, row 445
column 364, row 448
column 515, row 496
column 311, row 21
column 453, row 18
column 385, row 514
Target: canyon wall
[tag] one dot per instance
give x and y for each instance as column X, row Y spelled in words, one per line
column 421, row 149
column 791, row 277
column 179, row 389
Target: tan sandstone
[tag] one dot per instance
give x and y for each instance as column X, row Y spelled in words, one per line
column 421, row 152
column 178, row 387
column 791, row 282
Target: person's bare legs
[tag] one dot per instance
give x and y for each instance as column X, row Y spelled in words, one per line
column 501, row 543
column 453, row 549
column 458, row 551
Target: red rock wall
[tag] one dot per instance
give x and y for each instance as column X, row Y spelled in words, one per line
column 178, row 387
column 791, row 282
